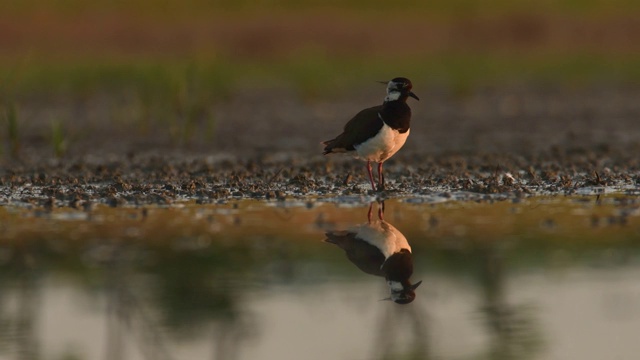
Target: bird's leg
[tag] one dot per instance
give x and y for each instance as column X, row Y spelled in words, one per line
column 380, row 177
column 373, row 185
column 381, row 210
column 369, row 213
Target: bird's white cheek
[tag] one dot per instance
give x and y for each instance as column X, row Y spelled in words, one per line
column 395, row 286
column 392, row 96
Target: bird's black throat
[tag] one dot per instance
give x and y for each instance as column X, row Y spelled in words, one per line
column 397, row 114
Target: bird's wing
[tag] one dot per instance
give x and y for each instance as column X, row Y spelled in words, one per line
column 363, row 126
column 360, row 252
column 342, row 238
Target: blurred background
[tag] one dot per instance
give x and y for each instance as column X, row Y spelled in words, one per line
column 98, row 77
column 86, row 82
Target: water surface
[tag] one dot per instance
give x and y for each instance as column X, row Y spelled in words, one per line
column 536, row 278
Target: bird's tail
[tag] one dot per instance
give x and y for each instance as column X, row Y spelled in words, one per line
column 328, row 149
column 333, row 146
column 336, row 237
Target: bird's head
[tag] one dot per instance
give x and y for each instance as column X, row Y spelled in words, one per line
column 404, row 294
column 399, row 88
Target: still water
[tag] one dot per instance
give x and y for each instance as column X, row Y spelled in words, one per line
column 537, row 278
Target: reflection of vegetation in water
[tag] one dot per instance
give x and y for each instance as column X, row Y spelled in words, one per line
column 515, row 332
column 190, row 290
column 402, row 333
column 179, row 300
column 196, row 287
column 20, row 301
column 200, row 289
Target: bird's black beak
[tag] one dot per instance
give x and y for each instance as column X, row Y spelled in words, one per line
column 415, row 286
column 383, row 82
column 413, row 95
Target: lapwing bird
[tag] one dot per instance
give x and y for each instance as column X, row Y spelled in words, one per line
column 375, row 134
column 378, row 248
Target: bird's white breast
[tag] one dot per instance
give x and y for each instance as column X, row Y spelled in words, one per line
column 383, row 236
column 382, row 146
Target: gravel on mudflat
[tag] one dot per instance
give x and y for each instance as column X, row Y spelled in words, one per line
column 166, row 179
column 509, row 142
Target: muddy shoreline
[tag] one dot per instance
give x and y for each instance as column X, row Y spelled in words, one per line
column 509, row 141
column 164, row 180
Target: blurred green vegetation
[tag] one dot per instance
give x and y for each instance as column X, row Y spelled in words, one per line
column 209, row 71
column 435, row 7
column 59, row 140
column 10, row 117
column 185, row 84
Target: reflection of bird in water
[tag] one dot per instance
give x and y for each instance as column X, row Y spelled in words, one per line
column 378, row 248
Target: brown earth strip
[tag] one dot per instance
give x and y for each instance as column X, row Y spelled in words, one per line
column 112, row 34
